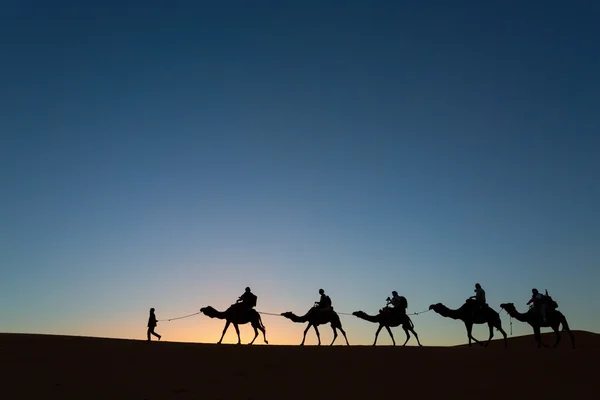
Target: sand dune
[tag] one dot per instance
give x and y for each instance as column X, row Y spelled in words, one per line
column 583, row 340
column 70, row 367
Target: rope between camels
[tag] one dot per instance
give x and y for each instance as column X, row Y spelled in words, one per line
column 185, row 316
column 279, row 315
column 420, row 312
column 268, row 313
column 341, row 313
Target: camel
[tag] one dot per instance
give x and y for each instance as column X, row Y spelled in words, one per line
column 389, row 319
column 485, row 316
column 554, row 319
column 316, row 317
column 236, row 314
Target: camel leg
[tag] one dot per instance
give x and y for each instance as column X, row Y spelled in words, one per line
column 565, row 327
column 264, row 332
column 470, row 335
column 377, row 333
column 343, row 333
column 255, row 334
column 499, row 327
column 557, row 333
column 257, row 324
column 306, row 330
column 407, row 335
column 414, row 333
column 538, row 337
column 335, row 335
column 391, row 334
column 491, row 326
column 237, row 330
column 318, row 335
column 224, row 330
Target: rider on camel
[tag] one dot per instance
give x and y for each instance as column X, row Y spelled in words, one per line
column 479, row 295
column 324, row 303
column 479, row 298
column 247, row 299
column 538, row 302
column 397, row 302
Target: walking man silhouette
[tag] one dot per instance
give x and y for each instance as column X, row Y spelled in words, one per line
column 152, row 324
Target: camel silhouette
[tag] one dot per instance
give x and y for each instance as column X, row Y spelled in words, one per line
column 237, row 314
column 389, row 319
column 554, row 319
column 316, row 317
column 484, row 316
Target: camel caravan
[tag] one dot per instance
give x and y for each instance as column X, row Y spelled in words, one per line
column 542, row 313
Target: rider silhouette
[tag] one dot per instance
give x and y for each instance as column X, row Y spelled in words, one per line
column 538, row 303
column 325, row 301
column 397, row 302
column 479, row 295
column 479, row 298
column 247, row 299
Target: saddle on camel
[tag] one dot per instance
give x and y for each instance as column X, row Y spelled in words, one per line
column 477, row 304
column 542, row 305
column 246, row 302
column 396, row 304
column 477, row 309
column 324, row 305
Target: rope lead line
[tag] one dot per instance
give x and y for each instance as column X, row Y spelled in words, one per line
column 420, row 312
column 268, row 313
column 185, row 316
column 276, row 315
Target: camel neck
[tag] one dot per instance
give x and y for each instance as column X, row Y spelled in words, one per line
column 454, row 314
column 519, row 316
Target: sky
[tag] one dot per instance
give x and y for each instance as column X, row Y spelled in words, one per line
column 169, row 154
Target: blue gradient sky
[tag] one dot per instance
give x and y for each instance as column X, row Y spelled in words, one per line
column 161, row 154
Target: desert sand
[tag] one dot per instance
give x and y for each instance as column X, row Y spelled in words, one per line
column 71, row 367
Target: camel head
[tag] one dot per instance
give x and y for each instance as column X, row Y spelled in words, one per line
column 508, row 307
column 291, row 316
column 367, row 317
column 209, row 311
column 439, row 308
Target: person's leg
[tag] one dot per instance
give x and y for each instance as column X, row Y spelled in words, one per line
column 151, row 332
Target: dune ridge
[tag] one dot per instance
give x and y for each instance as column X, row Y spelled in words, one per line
column 75, row 367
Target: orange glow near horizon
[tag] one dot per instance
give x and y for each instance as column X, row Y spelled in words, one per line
column 130, row 323
column 280, row 331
